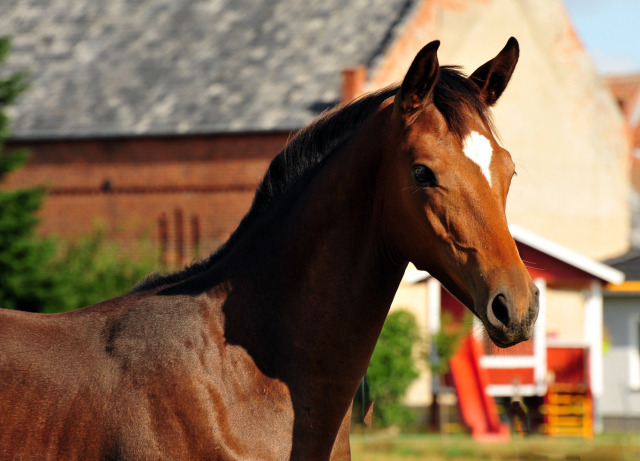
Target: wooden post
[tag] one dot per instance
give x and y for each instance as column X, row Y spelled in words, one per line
column 179, row 225
column 163, row 237
column 195, row 236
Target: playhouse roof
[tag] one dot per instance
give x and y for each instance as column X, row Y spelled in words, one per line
column 594, row 268
column 111, row 68
column 568, row 264
column 629, row 264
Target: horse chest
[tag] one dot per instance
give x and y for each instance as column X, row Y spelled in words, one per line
column 251, row 415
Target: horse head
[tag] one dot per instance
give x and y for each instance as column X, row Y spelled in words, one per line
column 451, row 178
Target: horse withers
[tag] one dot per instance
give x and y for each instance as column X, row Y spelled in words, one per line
column 257, row 351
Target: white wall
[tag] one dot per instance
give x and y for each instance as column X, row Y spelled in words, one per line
column 621, row 396
column 557, row 117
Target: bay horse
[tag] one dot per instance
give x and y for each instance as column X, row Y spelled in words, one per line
column 257, row 351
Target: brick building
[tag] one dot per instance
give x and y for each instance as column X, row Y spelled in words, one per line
column 159, row 118
column 153, row 112
column 187, row 193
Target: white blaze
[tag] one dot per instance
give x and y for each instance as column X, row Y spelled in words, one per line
column 478, row 148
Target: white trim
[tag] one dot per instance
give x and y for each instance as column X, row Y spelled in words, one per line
column 573, row 258
column 633, row 351
column 434, row 304
column 509, row 390
column 507, row 361
column 540, row 335
column 599, row 270
column 553, row 343
column 434, row 308
column 593, row 333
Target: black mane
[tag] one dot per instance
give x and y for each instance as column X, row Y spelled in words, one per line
column 312, row 144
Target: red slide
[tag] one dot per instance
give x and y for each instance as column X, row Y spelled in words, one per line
column 477, row 408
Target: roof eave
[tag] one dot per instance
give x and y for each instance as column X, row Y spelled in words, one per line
column 564, row 254
column 596, row 269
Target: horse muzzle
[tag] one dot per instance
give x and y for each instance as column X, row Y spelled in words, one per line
column 510, row 314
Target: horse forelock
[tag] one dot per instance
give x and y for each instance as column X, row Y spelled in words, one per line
column 454, row 96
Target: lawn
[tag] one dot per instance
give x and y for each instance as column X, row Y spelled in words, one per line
column 428, row 447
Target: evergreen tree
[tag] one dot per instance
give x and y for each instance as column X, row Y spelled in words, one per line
column 25, row 281
column 39, row 275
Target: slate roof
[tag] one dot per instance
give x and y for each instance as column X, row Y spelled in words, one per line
column 629, row 263
column 143, row 67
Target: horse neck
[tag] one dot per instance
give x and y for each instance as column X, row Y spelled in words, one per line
column 320, row 281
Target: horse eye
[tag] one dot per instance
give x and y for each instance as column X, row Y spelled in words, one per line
column 424, row 176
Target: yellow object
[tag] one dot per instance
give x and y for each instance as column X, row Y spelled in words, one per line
column 629, row 286
column 568, row 411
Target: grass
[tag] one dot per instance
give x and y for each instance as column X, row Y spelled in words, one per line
column 430, row 447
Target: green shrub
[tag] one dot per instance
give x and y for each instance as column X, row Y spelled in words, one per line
column 43, row 275
column 26, row 283
column 392, row 369
column 447, row 340
column 93, row 269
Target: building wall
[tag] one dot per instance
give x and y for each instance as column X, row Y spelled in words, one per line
column 125, row 185
column 565, row 315
column 621, row 359
column 557, row 118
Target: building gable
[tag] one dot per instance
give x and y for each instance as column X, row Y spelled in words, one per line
column 557, row 117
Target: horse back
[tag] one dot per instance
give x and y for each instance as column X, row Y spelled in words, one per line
column 137, row 377
column 52, row 377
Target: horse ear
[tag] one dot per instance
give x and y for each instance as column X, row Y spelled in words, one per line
column 492, row 77
column 422, row 76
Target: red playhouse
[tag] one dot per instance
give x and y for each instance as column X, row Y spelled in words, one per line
column 558, row 373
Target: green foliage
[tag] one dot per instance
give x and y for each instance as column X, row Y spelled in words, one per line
column 25, row 281
column 392, row 369
column 10, row 89
column 35, row 275
column 93, row 269
column 447, row 340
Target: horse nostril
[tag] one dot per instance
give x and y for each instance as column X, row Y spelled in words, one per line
column 500, row 309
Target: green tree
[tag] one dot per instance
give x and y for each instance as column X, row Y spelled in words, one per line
column 46, row 275
column 393, row 368
column 25, row 280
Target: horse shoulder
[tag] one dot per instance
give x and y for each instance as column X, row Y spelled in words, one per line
column 183, row 375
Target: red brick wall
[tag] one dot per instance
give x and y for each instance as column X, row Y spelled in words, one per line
column 126, row 184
